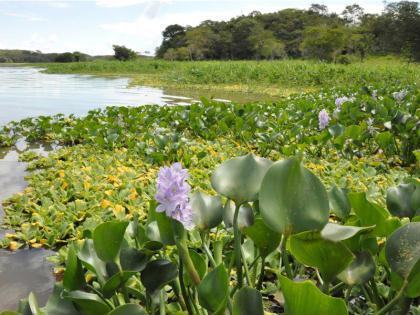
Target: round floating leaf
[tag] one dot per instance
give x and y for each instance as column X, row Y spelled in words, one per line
column 213, row 291
column 310, row 249
column 402, row 249
column 305, row 298
column 339, row 202
column 361, row 270
column 245, row 217
column 248, row 301
column 239, row 179
column 89, row 303
column 398, row 200
column 107, row 239
column 158, row 273
column 128, row 309
column 292, row 199
column 74, row 277
column 264, row 238
column 336, row 232
column 207, row 210
column 132, row 259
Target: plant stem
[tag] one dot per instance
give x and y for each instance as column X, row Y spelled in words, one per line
column 261, row 277
column 285, row 257
column 161, row 304
column 177, row 288
column 237, row 247
column 184, row 289
column 207, row 251
column 394, row 301
column 375, row 294
column 185, row 257
column 248, row 279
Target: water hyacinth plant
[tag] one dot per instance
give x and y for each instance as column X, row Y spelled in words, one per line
column 335, row 249
column 323, row 119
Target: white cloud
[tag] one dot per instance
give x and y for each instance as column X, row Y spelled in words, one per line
column 59, row 4
column 24, row 16
column 125, row 3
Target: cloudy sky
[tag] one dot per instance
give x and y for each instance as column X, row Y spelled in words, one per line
column 94, row 26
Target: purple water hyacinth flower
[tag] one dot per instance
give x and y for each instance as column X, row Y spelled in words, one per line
column 323, row 119
column 399, row 96
column 173, row 194
column 339, row 101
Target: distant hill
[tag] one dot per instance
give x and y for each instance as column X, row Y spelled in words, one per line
column 29, row 56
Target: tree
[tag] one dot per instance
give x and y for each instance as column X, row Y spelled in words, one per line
column 123, row 53
column 173, row 37
column 323, row 43
column 320, row 9
column 265, row 44
column 65, row 57
column 353, row 14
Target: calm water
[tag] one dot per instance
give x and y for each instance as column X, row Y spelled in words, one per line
column 25, row 270
column 27, row 92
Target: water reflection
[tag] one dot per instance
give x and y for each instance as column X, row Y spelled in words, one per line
column 27, row 92
column 25, row 270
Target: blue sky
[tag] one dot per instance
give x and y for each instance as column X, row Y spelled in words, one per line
column 94, row 26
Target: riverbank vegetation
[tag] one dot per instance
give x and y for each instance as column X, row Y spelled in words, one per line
column 359, row 149
column 275, row 78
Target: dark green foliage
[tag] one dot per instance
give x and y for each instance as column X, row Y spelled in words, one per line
column 315, row 33
column 123, row 53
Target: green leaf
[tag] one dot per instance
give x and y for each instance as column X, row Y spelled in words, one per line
column 87, row 254
column 239, row 179
column 413, row 288
column 310, row 249
column 339, row 202
column 361, row 270
column 213, row 291
column 33, row 305
column 245, row 217
column 74, row 278
column 336, row 232
column 200, row 265
column 115, row 282
column 248, row 301
column 107, row 239
column 372, row 214
column 207, row 210
column 157, row 274
column 402, row 249
column 264, row 238
column 133, row 259
column 292, row 199
column 398, row 200
column 89, row 303
column 57, row 305
column 305, row 298
column 128, row 309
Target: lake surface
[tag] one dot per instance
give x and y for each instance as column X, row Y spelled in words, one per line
column 24, row 270
column 27, row 92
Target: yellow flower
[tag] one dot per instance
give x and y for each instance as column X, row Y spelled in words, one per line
column 87, row 185
column 109, row 192
column 36, row 245
column 61, row 173
column 105, row 203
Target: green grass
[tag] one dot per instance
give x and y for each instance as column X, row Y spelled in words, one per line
column 275, row 78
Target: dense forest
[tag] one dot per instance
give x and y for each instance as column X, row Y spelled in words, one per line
column 314, row 33
column 292, row 33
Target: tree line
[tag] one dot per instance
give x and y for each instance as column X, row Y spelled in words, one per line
column 293, row 33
